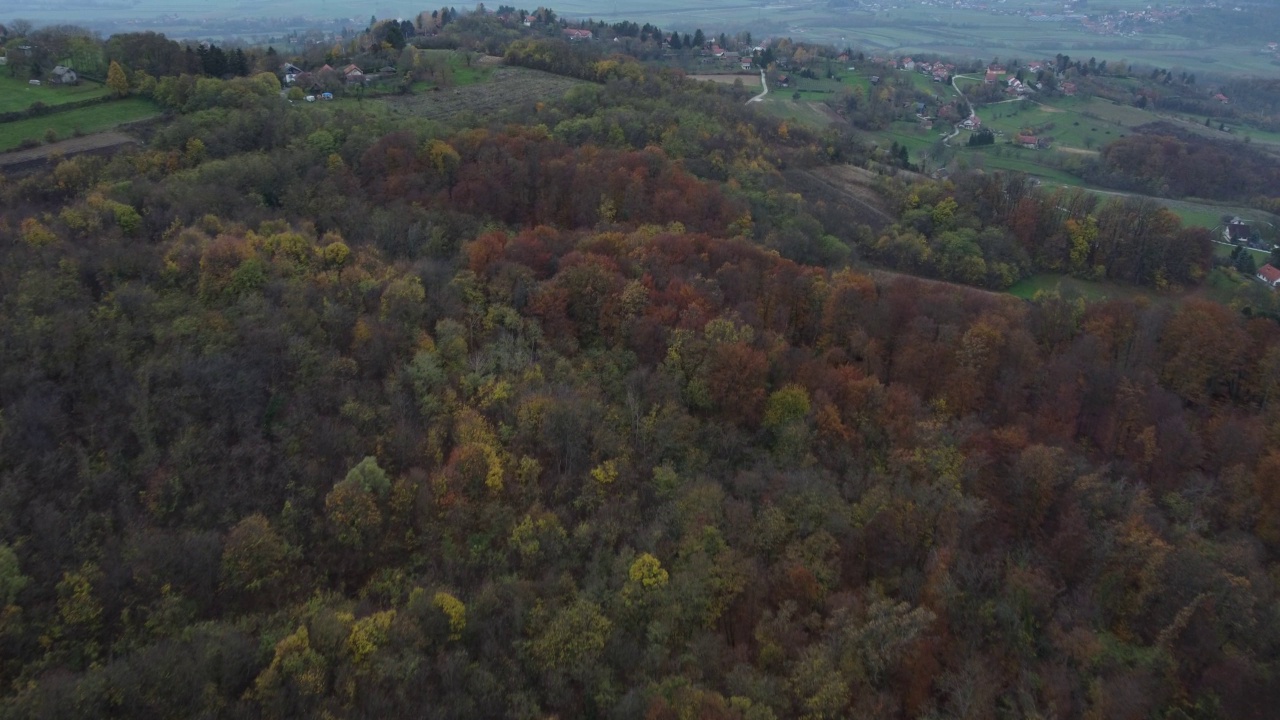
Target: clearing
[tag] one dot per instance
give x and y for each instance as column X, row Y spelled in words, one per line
column 507, row 87
column 749, row 79
column 852, row 187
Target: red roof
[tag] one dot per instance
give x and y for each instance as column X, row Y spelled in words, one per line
column 1269, row 274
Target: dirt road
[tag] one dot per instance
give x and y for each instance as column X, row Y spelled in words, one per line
column 98, row 142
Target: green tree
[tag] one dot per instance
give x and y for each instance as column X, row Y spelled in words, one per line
column 255, row 559
column 574, row 639
column 12, row 581
column 368, row 475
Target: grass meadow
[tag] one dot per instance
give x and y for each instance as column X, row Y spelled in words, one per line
column 17, row 94
column 94, row 118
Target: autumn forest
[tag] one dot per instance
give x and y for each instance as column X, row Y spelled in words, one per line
column 611, row 406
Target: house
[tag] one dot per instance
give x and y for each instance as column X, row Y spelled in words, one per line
column 352, row 74
column 1270, row 275
column 576, row 35
column 1068, row 88
column 1028, row 141
column 992, row 76
column 63, row 75
column 290, row 72
column 1238, row 229
column 746, row 63
column 908, row 64
column 1221, row 98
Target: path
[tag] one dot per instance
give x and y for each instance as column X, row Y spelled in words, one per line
column 765, row 84
column 955, row 130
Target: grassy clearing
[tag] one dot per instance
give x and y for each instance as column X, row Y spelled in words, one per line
column 509, row 87
column 17, row 94
column 1068, row 286
column 803, row 113
column 748, row 79
column 94, row 118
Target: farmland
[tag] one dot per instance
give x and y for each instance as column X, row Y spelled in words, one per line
column 751, row 80
column 81, row 120
column 505, row 87
column 18, row 94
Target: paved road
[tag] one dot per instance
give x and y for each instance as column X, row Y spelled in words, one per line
column 765, row 84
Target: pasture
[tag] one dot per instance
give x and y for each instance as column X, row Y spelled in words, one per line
column 94, row 118
column 505, row 88
column 17, row 94
column 751, row 80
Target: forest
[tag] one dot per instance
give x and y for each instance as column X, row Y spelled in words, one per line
column 1164, row 160
column 602, row 407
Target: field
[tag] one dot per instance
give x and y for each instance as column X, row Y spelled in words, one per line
column 17, row 94
column 97, row 142
column 751, row 80
column 1069, row 286
column 506, row 87
column 90, row 119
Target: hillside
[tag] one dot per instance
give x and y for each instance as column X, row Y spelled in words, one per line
column 587, row 404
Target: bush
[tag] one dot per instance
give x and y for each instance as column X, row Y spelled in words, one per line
column 50, row 136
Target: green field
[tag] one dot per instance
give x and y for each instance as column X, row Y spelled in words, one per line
column 18, row 94
column 1070, row 287
column 94, row 118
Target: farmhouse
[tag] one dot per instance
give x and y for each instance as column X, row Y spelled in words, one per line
column 1269, row 275
column 576, row 35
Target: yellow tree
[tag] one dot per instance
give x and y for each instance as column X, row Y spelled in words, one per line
column 117, row 80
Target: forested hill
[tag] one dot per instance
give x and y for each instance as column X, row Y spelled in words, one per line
column 580, row 411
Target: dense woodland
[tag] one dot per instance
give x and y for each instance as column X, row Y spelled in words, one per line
column 1164, row 160
column 590, row 411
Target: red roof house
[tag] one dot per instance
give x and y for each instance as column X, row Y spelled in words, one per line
column 1269, row 275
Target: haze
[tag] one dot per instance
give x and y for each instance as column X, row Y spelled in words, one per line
column 1200, row 36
